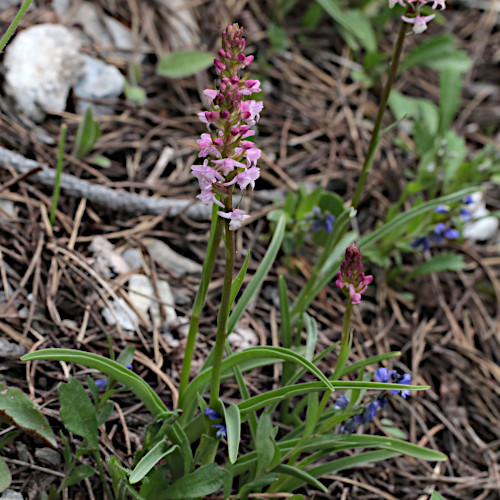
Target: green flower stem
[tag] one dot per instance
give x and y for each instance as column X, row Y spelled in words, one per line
column 223, row 315
column 57, row 183
column 199, row 301
column 372, row 148
column 345, row 350
column 13, row 25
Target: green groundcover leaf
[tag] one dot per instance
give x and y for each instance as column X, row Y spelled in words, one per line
column 436, row 496
column 78, row 412
column 18, row 410
column 184, row 63
column 445, row 261
column 5, row 477
column 79, row 474
column 203, row 481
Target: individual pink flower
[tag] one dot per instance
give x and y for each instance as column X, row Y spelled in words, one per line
column 210, row 95
column 207, row 197
column 250, row 87
column 419, row 22
column 439, row 3
column 236, row 217
column 206, row 173
column 250, row 111
column 228, row 165
column 248, row 176
column 207, row 146
column 392, row 3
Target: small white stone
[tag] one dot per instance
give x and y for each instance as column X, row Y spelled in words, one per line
column 100, row 81
column 11, row 495
column 482, row 227
column 242, row 338
column 126, row 317
column 41, row 65
column 142, row 295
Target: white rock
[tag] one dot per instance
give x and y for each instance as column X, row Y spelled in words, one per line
column 142, row 295
column 126, row 317
column 481, row 227
column 105, row 260
column 100, row 81
column 242, row 338
column 11, row 495
column 8, row 207
column 41, row 64
column 164, row 255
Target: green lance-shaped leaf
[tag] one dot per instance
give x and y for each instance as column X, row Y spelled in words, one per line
column 264, row 443
column 262, row 400
column 302, row 475
column 5, row 477
column 203, row 481
column 446, row 261
column 86, row 136
column 17, row 409
column 119, row 476
column 233, row 424
column 78, row 412
column 184, row 63
column 189, row 399
column 110, row 368
column 148, row 461
column 238, row 281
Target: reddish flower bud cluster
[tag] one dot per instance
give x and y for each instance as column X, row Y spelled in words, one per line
column 229, row 158
column 351, row 278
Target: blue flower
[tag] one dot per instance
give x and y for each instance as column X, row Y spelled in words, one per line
column 221, row 430
column 101, row 383
column 468, row 200
column 384, row 375
column 465, row 214
column 341, row 403
column 404, row 379
column 422, row 241
column 211, row 414
column 451, row 234
column 329, row 220
column 372, row 409
column 441, row 209
column 438, row 231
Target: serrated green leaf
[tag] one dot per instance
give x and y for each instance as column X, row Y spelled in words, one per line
column 445, row 261
column 203, row 481
column 184, row 63
column 78, row 412
column 148, row 461
column 233, row 425
column 80, row 473
column 5, row 476
column 18, row 410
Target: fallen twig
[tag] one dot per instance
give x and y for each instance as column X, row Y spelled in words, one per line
column 111, row 199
